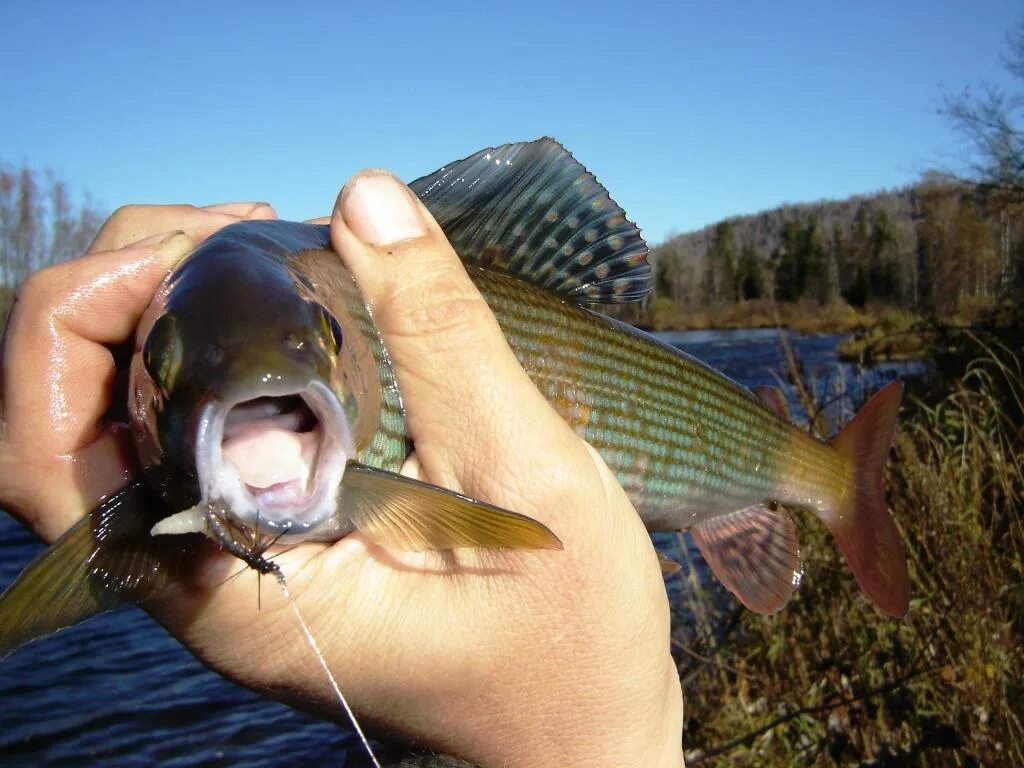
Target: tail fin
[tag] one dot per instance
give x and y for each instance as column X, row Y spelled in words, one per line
column 107, row 559
column 863, row 527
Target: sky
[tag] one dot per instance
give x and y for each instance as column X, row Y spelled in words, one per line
column 689, row 112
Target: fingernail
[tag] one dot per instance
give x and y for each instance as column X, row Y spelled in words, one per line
column 176, row 244
column 380, row 210
column 255, row 208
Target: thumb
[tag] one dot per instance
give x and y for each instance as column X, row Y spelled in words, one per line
column 477, row 420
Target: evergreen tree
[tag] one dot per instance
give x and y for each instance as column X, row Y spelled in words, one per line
column 721, row 265
column 883, row 272
column 749, row 279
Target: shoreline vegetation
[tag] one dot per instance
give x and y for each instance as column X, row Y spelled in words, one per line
column 876, row 333
column 829, row 680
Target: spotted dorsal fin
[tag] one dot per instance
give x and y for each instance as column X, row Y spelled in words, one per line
column 532, row 211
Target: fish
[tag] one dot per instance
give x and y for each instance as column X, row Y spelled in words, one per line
column 286, row 423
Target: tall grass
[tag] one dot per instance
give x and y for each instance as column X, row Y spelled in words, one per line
column 829, row 680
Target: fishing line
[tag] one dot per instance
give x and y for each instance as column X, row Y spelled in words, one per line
column 253, row 555
column 279, row 575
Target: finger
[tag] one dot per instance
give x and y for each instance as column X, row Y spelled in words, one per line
column 241, row 210
column 50, row 493
column 132, row 223
column 62, row 320
column 474, row 415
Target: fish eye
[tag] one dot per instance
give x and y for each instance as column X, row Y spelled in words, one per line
column 213, row 354
column 332, row 326
column 161, row 352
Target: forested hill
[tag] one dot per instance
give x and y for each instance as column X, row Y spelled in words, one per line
column 928, row 247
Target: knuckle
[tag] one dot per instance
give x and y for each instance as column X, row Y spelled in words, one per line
column 440, row 306
column 42, row 288
column 133, row 222
column 126, row 213
column 125, row 220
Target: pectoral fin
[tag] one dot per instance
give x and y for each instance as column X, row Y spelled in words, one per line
column 754, row 552
column 107, row 559
column 669, row 567
column 405, row 514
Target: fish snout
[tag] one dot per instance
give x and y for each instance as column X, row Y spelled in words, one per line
column 274, row 462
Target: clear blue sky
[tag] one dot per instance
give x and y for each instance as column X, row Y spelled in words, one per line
column 689, row 112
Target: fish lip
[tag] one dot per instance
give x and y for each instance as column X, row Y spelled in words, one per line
column 221, row 487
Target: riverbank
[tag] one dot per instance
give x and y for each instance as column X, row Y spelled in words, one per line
column 877, row 333
column 829, row 680
column 804, row 316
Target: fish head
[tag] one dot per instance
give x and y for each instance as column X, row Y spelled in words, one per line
column 238, row 394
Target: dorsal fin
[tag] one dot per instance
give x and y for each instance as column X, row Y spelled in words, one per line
column 532, row 211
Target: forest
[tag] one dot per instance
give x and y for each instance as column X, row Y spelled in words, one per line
column 943, row 248
column 947, row 250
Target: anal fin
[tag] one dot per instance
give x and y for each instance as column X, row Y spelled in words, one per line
column 754, row 552
column 405, row 514
column 775, row 399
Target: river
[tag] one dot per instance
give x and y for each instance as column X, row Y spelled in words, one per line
column 118, row 691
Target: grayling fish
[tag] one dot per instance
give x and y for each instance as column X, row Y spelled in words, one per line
column 265, row 406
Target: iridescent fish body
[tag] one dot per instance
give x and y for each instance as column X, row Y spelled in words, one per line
column 265, row 406
column 692, row 448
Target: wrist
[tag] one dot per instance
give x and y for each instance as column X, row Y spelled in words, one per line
column 614, row 725
column 649, row 736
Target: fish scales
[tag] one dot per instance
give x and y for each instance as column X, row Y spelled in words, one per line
column 643, row 401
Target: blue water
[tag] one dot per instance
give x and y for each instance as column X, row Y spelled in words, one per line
column 118, row 691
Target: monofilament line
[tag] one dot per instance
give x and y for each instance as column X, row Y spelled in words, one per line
column 323, row 663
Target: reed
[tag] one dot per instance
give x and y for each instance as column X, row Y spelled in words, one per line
column 829, row 680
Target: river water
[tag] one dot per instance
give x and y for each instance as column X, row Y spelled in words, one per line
column 118, row 691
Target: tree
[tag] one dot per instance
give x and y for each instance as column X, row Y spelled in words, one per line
column 883, row 271
column 800, row 261
column 788, row 272
column 835, row 261
column 39, row 226
column 955, row 250
column 748, row 277
column 720, row 265
column 858, row 255
column 992, row 124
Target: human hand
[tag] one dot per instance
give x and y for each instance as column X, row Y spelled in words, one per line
column 59, row 454
column 503, row 658
column 499, row 657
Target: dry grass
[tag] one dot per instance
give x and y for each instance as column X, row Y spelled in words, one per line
column 829, row 680
column 805, row 316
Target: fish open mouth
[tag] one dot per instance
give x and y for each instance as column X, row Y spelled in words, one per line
column 275, row 461
column 273, row 443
